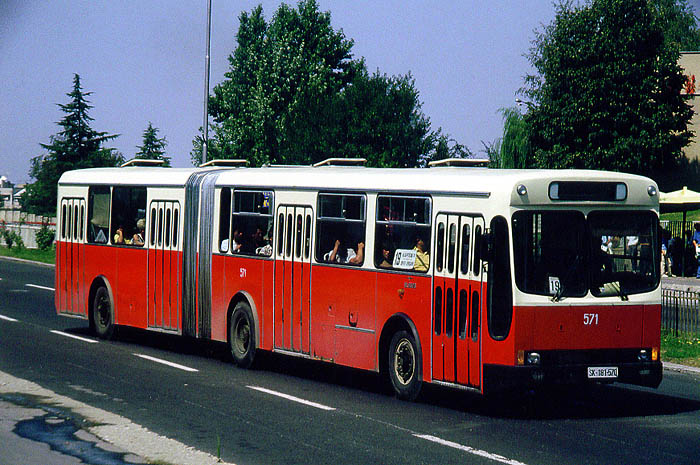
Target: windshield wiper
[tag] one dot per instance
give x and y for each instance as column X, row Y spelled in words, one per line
column 560, row 292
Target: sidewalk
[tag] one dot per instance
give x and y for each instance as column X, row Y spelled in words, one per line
column 681, row 284
column 43, row 427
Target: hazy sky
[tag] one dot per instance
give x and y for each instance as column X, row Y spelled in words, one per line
column 144, row 61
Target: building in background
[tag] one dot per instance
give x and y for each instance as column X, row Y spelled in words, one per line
column 690, row 62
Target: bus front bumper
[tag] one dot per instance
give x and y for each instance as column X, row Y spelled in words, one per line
column 502, row 377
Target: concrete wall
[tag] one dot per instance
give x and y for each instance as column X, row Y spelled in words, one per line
column 24, row 224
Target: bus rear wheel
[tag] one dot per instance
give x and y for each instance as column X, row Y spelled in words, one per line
column 242, row 335
column 405, row 371
column 103, row 313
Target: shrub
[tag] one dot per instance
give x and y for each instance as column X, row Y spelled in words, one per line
column 45, row 237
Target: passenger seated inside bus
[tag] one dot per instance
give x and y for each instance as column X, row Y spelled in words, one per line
column 237, row 244
column 262, row 245
column 422, row 257
column 386, row 260
column 137, row 239
column 350, row 257
column 119, row 236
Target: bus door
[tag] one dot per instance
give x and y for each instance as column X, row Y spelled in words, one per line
column 164, row 266
column 293, row 278
column 72, row 256
column 456, row 300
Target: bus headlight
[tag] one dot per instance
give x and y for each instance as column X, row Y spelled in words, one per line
column 533, row 358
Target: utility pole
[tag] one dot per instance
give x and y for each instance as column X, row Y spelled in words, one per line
column 206, row 86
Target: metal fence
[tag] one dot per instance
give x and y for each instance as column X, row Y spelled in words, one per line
column 680, row 311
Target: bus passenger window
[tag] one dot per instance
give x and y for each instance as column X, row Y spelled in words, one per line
column 475, row 316
column 290, row 227
column 76, row 233
column 449, row 312
column 69, row 222
column 280, row 234
column 452, row 249
column 167, row 228
column 175, row 227
column 307, row 239
column 251, row 222
column 224, row 219
column 440, row 246
column 477, row 251
column 81, row 234
column 98, row 214
column 463, row 308
column 438, row 311
column 160, row 227
column 464, row 254
column 402, row 233
column 340, row 229
column 63, row 221
column 128, row 207
column 153, row 226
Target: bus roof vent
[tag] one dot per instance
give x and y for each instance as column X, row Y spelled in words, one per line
column 142, row 162
column 468, row 162
column 341, row 162
column 228, row 162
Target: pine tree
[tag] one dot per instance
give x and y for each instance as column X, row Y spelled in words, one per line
column 153, row 147
column 76, row 146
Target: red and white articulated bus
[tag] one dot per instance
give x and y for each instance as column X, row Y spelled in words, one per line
column 473, row 278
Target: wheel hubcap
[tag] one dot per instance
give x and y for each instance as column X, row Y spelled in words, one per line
column 404, row 361
column 242, row 336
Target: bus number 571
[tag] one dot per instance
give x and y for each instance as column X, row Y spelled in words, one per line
column 590, row 319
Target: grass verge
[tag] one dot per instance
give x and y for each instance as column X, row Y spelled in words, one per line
column 44, row 256
column 684, row 349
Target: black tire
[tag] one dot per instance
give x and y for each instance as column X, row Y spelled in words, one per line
column 405, row 367
column 103, row 313
column 242, row 335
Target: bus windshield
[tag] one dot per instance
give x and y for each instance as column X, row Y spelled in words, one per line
column 565, row 254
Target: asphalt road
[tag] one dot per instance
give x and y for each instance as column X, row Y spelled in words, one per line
column 290, row 410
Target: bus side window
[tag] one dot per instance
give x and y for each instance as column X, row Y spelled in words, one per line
column 402, row 233
column 98, row 214
column 81, row 233
column 153, row 226
column 224, row 219
column 440, row 252
column 438, row 311
column 76, row 234
column 69, row 222
column 63, row 221
column 167, row 227
column 175, row 227
column 499, row 290
column 477, row 250
column 463, row 308
column 464, row 255
column 297, row 245
column 307, row 239
column 160, row 226
column 340, row 229
column 280, row 234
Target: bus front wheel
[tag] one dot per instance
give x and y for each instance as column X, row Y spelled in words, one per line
column 103, row 313
column 405, row 366
column 242, row 335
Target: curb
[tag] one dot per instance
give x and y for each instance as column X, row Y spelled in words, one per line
column 24, row 260
column 680, row 368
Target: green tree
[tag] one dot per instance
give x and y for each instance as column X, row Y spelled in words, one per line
column 153, row 147
column 513, row 149
column 607, row 90
column 294, row 95
column 679, row 23
column 76, row 146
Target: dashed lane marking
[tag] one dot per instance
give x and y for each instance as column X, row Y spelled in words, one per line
column 165, row 362
column 292, row 398
column 36, row 286
column 471, row 450
column 7, row 318
column 73, row 336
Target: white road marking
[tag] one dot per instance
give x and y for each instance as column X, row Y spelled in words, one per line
column 165, row 362
column 471, row 450
column 292, row 398
column 7, row 318
column 72, row 336
column 40, row 287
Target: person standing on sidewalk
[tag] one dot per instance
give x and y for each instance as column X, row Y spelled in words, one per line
column 696, row 244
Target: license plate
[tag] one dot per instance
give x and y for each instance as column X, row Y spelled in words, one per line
column 602, row 372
